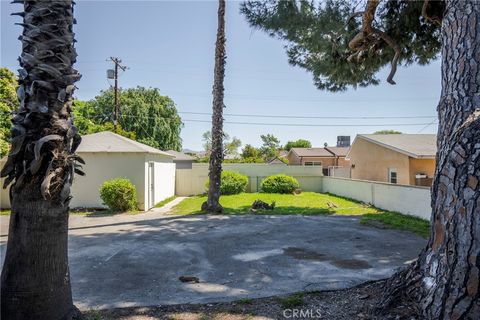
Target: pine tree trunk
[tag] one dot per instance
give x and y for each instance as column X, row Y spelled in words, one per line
column 445, row 278
column 35, row 280
column 451, row 263
column 216, row 157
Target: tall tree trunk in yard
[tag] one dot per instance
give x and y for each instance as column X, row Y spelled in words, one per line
column 35, row 280
column 216, row 157
column 445, row 278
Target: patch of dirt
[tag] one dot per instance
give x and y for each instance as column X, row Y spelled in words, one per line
column 351, row 264
column 304, row 254
column 349, row 304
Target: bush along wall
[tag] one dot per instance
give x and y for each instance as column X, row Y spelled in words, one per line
column 232, row 183
column 119, row 195
column 279, row 183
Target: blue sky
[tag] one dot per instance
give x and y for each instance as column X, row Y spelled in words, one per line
column 170, row 45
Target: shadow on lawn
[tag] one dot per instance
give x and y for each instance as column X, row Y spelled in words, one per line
column 283, row 210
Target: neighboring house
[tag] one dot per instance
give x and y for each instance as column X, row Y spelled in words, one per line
column 325, row 157
column 395, row 158
column 282, row 153
column 276, row 161
column 182, row 160
column 109, row 155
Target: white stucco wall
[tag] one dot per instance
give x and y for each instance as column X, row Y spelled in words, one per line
column 104, row 166
column 192, row 181
column 4, row 193
column 164, row 178
column 405, row 199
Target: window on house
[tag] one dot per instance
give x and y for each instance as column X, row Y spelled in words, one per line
column 392, row 175
column 312, row 163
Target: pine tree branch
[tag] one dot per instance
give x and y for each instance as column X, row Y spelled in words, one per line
column 363, row 40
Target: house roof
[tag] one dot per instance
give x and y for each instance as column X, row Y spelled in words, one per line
column 276, row 161
column 180, row 156
column 339, row 151
column 320, row 152
column 107, row 141
column 282, row 153
column 412, row 145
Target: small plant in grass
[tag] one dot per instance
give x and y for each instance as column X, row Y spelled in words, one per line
column 119, row 195
column 295, row 300
column 279, row 183
column 92, row 315
column 231, row 183
column 245, row 301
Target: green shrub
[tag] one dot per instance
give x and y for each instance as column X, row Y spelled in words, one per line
column 279, row 183
column 232, row 183
column 119, row 195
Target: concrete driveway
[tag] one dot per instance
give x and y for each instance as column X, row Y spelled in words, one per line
column 127, row 260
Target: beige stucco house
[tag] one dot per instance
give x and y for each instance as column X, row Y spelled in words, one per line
column 109, row 155
column 395, row 158
column 327, row 157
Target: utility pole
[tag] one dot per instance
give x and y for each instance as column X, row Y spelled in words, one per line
column 116, row 111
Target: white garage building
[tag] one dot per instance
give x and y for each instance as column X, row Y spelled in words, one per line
column 109, row 155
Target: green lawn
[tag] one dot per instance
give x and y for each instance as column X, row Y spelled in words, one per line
column 399, row 221
column 164, row 202
column 309, row 203
column 306, row 203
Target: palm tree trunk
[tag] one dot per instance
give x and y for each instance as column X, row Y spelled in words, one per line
column 445, row 278
column 216, row 157
column 35, row 279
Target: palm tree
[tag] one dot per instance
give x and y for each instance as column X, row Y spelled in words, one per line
column 216, row 157
column 41, row 163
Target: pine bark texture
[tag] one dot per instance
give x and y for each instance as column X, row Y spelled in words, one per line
column 445, row 278
column 35, row 280
column 216, row 157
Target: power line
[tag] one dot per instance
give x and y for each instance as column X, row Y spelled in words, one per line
column 428, row 125
column 310, row 117
column 312, row 125
column 291, row 124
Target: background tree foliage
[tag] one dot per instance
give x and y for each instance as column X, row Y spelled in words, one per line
column 145, row 115
column 230, row 146
column 270, row 146
column 300, row 143
column 317, row 36
column 387, row 132
column 8, row 103
column 84, row 115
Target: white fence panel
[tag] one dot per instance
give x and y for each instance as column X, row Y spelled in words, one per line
column 192, row 181
column 406, row 199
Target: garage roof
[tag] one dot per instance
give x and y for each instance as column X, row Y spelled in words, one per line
column 311, row 152
column 107, row 141
column 180, row 156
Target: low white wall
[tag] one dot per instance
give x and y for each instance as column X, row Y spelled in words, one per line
column 405, row 199
column 105, row 166
column 192, row 181
column 342, row 172
column 164, row 180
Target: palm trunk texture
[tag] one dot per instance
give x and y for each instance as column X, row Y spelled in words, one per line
column 216, row 157
column 35, row 280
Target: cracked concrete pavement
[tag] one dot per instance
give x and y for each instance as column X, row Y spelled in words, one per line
column 136, row 260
